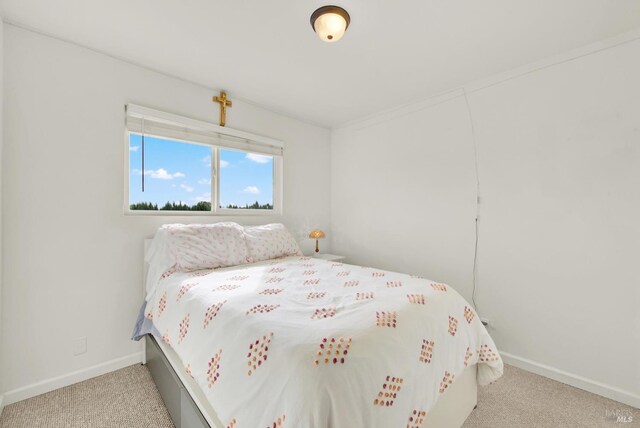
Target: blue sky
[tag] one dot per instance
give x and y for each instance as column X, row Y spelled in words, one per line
column 182, row 172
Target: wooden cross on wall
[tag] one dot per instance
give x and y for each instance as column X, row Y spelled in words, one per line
column 224, row 103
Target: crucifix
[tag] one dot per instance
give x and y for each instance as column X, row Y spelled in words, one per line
column 224, row 103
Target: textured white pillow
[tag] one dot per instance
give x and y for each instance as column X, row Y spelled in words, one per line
column 207, row 246
column 269, row 242
column 158, row 257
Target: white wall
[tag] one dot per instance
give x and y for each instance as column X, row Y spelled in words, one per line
column 560, row 173
column 559, row 168
column 72, row 259
column 403, row 193
column 1, row 139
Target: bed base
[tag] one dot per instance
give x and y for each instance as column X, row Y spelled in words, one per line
column 182, row 408
column 189, row 408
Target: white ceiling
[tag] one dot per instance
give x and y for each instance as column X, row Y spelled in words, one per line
column 394, row 52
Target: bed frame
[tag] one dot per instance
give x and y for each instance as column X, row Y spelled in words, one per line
column 189, row 408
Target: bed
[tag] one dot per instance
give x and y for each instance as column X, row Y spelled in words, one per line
column 303, row 342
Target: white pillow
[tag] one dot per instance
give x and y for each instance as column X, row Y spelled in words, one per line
column 269, row 242
column 207, row 246
column 159, row 257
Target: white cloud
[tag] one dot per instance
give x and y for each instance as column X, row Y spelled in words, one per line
column 160, row 174
column 186, row 187
column 204, row 181
column 223, row 163
column 133, row 148
column 205, row 197
column 258, row 158
column 251, row 189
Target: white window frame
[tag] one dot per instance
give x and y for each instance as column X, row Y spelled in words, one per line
column 201, row 126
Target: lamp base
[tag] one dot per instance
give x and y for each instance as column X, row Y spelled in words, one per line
column 317, row 249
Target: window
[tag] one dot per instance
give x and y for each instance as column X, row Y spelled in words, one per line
column 177, row 175
column 181, row 166
column 246, row 180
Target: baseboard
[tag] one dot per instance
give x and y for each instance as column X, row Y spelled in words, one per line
column 38, row 388
column 577, row 381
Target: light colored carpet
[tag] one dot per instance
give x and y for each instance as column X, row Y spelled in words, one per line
column 525, row 400
column 128, row 398
column 121, row 399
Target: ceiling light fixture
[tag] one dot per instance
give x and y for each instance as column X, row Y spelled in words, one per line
column 330, row 23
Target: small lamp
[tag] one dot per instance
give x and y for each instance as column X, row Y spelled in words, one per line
column 316, row 234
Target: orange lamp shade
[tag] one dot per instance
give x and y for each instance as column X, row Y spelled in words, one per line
column 316, row 234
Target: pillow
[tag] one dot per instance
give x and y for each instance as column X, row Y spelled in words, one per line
column 269, row 242
column 159, row 257
column 207, row 246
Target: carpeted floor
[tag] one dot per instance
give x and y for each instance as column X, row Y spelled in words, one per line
column 128, row 398
column 121, row 399
column 523, row 399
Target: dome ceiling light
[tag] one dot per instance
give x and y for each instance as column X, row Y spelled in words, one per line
column 330, row 23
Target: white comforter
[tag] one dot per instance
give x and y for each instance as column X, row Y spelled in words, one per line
column 302, row 342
